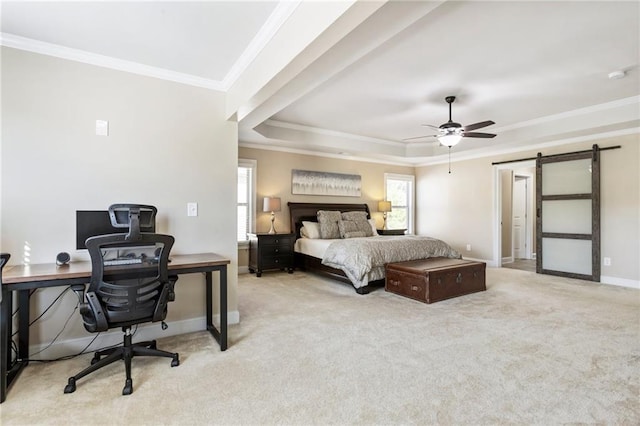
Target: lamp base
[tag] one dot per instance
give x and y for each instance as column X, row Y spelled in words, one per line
column 384, row 225
column 273, row 229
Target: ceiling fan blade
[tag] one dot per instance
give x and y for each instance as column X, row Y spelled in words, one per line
column 419, row 137
column 478, row 135
column 479, row 125
column 431, row 126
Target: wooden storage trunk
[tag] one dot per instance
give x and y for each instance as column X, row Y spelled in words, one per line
column 435, row 279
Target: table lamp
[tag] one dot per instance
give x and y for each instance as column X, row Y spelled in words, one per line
column 384, row 207
column 271, row 204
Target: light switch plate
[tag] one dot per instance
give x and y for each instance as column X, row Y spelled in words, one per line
column 192, row 209
column 102, row 128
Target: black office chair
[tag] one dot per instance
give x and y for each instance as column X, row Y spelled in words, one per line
column 4, row 258
column 122, row 295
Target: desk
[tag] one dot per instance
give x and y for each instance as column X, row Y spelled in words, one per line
column 21, row 279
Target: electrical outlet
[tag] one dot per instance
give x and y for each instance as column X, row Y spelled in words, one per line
column 468, row 247
column 607, row 261
column 192, row 209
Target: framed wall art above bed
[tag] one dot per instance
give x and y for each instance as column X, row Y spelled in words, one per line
column 304, row 182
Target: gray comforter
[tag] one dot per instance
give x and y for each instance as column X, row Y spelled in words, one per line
column 363, row 259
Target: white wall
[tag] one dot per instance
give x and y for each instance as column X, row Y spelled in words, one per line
column 168, row 144
column 458, row 207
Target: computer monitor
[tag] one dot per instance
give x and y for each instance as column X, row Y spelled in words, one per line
column 90, row 223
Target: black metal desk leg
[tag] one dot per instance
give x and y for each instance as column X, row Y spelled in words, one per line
column 219, row 335
column 5, row 340
column 23, row 325
column 209, row 297
column 223, row 308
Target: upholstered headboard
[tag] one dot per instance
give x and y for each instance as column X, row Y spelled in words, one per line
column 308, row 212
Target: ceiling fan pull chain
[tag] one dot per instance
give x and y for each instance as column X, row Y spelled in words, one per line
column 449, row 160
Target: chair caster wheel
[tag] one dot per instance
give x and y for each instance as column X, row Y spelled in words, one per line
column 95, row 359
column 128, row 387
column 71, row 386
column 175, row 361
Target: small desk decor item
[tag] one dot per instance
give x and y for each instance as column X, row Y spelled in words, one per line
column 271, row 204
column 305, row 182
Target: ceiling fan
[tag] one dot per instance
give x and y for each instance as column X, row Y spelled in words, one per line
column 450, row 133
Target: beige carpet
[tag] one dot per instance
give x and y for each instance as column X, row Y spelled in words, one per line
column 530, row 350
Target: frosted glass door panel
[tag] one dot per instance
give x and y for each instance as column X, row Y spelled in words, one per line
column 573, row 256
column 567, row 177
column 567, row 216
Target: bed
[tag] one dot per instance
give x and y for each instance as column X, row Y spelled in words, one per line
column 357, row 261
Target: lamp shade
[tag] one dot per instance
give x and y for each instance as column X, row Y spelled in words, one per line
column 384, row 206
column 271, row 204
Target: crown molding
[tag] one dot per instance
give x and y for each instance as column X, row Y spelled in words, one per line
column 633, row 100
column 333, row 133
column 264, row 147
column 30, row 45
column 278, row 17
column 442, row 159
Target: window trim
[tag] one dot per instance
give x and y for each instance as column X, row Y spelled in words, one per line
column 411, row 202
column 253, row 165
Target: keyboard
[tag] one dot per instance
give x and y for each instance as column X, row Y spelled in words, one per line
column 123, row 261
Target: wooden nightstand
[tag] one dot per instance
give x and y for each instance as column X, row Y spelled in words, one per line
column 391, row 231
column 270, row 251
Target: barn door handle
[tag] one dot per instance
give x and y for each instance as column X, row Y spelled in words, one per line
column 459, row 278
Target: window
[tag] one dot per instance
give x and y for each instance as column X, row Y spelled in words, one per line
column 399, row 190
column 246, row 198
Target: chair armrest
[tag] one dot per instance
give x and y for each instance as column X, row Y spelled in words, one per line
column 96, row 313
column 161, row 307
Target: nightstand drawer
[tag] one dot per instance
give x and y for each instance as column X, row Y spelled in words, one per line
column 280, row 241
column 273, row 262
column 273, row 250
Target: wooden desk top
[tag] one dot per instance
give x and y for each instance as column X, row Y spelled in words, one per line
column 82, row 269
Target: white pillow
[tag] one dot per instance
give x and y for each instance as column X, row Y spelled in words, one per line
column 312, row 229
column 373, row 226
column 303, row 232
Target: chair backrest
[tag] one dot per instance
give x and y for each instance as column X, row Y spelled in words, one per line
column 4, row 258
column 129, row 280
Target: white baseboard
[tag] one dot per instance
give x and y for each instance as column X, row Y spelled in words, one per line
column 507, row 259
column 149, row 331
column 622, row 282
column 243, row 269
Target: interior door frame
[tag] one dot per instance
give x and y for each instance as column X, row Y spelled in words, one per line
column 530, row 212
column 497, row 204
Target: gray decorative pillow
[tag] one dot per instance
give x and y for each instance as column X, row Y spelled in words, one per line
column 360, row 223
column 329, row 221
column 347, row 227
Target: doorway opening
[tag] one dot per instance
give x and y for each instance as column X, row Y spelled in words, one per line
column 514, row 213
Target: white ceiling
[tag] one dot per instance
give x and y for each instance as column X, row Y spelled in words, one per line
column 538, row 69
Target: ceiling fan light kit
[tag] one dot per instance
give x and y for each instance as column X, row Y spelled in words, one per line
column 450, row 139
